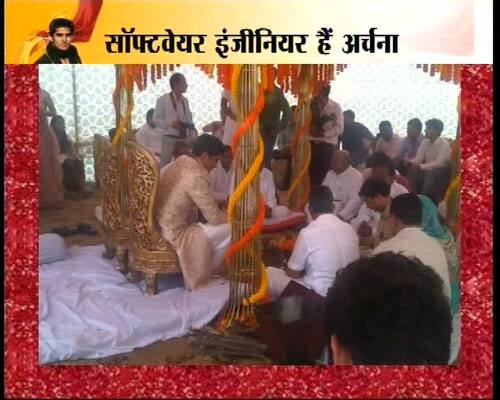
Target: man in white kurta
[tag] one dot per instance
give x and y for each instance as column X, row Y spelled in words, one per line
column 149, row 136
column 184, row 191
column 388, row 142
column 432, row 163
column 324, row 137
column 405, row 216
column 173, row 116
column 370, row 218
column 220, row 176
column 322, row 248
column 344, row 181
column 267, row 188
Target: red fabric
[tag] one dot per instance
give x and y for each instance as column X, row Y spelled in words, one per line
column 85, row 19
column 286, row 224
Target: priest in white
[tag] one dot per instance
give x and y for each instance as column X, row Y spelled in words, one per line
column 150, row 136
column 344, row 181
column 267, row 188
column 322, row 248
column 220, row 176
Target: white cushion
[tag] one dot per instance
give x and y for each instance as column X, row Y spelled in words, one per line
column 52, row 248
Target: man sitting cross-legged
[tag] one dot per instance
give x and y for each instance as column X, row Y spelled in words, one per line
column 405, row 218
column 344, row 181
column 375, row 192
column 326, row 245
column 185, row 189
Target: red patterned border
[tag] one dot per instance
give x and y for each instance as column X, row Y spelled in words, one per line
column 25, row 378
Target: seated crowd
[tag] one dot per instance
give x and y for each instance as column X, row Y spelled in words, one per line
column 377, row 199
column 366, row 204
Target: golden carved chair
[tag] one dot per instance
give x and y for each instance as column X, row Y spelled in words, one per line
column 114, row 227
column 149, row 252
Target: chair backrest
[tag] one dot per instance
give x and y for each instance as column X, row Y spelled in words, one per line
column 96, row 148
column 107, row 164
column 143, row 181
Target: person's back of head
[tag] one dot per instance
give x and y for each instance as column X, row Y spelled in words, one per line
column 381, row 166
column 407, row 210
column 375, row 187
column 378, row 159
column 325, row 90
column 149, row 115
column 321, row 200
column 388, row 310
column 61, row 23
column 349, row 115
column 208, row 144
column 180, row 148
column 112, row 133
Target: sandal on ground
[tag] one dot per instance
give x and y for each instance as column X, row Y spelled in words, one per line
column 64, row 231
column 86, row 229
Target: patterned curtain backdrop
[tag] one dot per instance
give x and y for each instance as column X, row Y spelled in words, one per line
column 83, row 96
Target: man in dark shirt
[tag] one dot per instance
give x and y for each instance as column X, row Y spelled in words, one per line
column 273, row 119
column 60, row 50
column 356, row 139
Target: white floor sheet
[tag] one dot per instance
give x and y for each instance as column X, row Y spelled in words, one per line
column 90, row 310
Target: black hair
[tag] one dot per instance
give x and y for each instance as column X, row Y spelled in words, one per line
column 385, row 123
column 416, row 123
column 208, row 144
column 435, row 124
column 325, row 90
column 381, row 159
column 390, row 309
column 112, row 133
column 150, row 113
column 321, row 200
column 62, row 137
column 373, row 187
column 177, row 147
column 61, row 23
column 407, row 208
column 349, row 114
column 227, row 148
column 175, row 79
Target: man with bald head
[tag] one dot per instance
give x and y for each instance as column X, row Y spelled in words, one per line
column 344, row 181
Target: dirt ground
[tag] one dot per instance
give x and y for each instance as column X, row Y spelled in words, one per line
column 179, row 351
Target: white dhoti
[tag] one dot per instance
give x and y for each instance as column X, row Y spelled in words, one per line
column 219, row 237
column 279, row 280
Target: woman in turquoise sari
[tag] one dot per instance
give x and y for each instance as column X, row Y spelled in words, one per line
column 432, row 226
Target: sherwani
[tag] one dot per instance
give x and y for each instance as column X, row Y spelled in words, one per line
column 185, row 189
